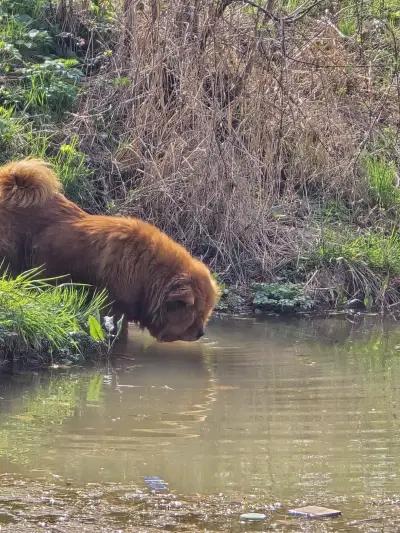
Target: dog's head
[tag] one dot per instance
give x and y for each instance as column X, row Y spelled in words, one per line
column 184, row 306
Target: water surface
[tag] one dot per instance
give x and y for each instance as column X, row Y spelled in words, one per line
column 261, row 415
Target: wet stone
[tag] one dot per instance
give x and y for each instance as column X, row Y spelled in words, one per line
column 315, row 511
column 253, row 517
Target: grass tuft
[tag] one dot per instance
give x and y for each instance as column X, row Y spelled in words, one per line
column 40, row 322
column 348, row 266
column 382, row 181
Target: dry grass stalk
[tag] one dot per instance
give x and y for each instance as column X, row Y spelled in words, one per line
column 214, row 123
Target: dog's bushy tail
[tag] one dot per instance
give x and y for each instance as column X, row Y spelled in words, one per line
column 27, row 183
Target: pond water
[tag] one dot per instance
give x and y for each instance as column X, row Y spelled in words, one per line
column 263, row 415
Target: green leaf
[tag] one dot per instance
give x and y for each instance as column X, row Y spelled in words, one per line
column 95, row 329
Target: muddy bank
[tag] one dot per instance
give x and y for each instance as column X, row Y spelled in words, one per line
column 283, row 299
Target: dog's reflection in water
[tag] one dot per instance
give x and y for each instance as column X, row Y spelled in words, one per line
column 174, row 377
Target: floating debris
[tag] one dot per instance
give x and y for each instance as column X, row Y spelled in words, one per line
column 253, row 516
column 156, row 483
column 314, row 511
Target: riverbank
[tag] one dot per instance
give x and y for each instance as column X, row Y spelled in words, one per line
column 156, row 113
column 115, row 507
column 42, row 324
column 283, row 299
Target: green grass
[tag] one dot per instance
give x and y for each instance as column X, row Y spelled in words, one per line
column 50, row 87
column 348, row 266
column 12, row 134
column 19, row 139
column 381, row 175
column 348, row 26
column 375, row 250
column 41, row 322
column 68, row 162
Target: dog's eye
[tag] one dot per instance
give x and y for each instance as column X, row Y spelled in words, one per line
column 176, row 305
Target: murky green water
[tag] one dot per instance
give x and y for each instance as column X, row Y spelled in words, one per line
column 262, row 415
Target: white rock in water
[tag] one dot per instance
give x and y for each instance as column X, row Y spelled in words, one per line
column 253, row 516
column 315, row 511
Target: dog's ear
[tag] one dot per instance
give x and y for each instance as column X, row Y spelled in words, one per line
column 180, row 294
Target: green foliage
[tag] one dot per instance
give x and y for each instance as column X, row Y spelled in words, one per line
column 232, row 301
column 32, row 8
column 69, row 163
column 71, row 167
column 38, row 319
column 332, row 211
column 51, row 86
column 9, row 55
column 221, row 285
column 121, row 81
column 231, row 298
column 381, row 175
column 40, row 83
column 375, row 250
column 95, row 329
column 24, row 40
column 281, row 297
column 347, row 26
column 38, row 91
column 11, row 133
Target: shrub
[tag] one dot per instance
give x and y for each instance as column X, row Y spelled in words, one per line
column 209, row 145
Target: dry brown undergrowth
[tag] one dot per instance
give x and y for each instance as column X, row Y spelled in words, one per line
column 223, row 125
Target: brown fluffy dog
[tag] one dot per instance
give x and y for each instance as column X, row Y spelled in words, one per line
column 151, row 279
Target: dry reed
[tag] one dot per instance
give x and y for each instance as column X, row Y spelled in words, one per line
column 223, row 125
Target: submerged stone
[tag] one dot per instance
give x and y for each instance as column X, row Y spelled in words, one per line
column 315, row 511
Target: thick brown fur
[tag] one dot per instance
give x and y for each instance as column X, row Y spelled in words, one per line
column 150, row 278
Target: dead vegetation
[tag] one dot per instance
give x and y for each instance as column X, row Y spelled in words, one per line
column 224, row 123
